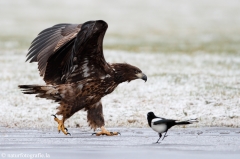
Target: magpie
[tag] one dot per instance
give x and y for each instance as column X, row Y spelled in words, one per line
column 162, row 125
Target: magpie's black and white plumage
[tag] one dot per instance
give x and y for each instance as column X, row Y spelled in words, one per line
column 162, row 125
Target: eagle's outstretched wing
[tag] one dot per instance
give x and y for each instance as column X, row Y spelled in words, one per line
column 50, row 41
column 70, row 52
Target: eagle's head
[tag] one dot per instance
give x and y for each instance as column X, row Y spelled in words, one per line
column 125, row 72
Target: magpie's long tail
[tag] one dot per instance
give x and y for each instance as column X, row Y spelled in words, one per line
column 186, row 122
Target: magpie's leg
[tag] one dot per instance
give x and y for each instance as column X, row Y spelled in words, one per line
column 165, row 135
column 160, row 135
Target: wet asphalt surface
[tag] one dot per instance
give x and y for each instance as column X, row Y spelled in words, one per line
column 132, row 143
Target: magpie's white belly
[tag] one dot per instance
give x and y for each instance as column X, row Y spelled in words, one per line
column 159, row 128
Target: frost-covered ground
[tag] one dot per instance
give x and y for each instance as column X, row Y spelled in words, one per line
column 189, row 50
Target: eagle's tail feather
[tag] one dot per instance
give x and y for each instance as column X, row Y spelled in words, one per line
column 48, row 92
column 31, row 89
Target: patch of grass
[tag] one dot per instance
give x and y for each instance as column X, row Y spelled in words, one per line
column 135, row 43
column 182, row 45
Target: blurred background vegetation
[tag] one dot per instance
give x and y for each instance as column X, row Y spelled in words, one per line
column 167, row 26
column 188, row 48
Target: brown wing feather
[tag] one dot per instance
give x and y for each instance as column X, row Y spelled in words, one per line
column 45, row 38
column 87, row 52
column 59, row 64
column 49, row 41
column 56, row 48
column 64, row 40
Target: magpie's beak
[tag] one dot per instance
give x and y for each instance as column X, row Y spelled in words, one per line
column 142, row 76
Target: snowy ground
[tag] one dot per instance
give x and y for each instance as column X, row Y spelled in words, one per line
column 193, row 72
column 207, row 143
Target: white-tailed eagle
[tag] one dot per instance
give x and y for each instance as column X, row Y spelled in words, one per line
column 70, row 59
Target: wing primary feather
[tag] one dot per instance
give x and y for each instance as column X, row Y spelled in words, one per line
column 54, row 27
column 43, row 38
column 35, row 51
column 46, row 50
column 59, row 60
column 42, row 60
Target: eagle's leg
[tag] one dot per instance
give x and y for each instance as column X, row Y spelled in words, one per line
column 96, row 119
column 105, row 132
column 61, row 126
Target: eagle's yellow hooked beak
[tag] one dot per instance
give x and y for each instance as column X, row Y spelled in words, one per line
column 142, row 76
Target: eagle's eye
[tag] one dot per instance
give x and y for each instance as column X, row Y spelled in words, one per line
column 137, row 71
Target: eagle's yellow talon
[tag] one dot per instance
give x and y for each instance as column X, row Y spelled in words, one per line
column 61, row 126
column 105, row 132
